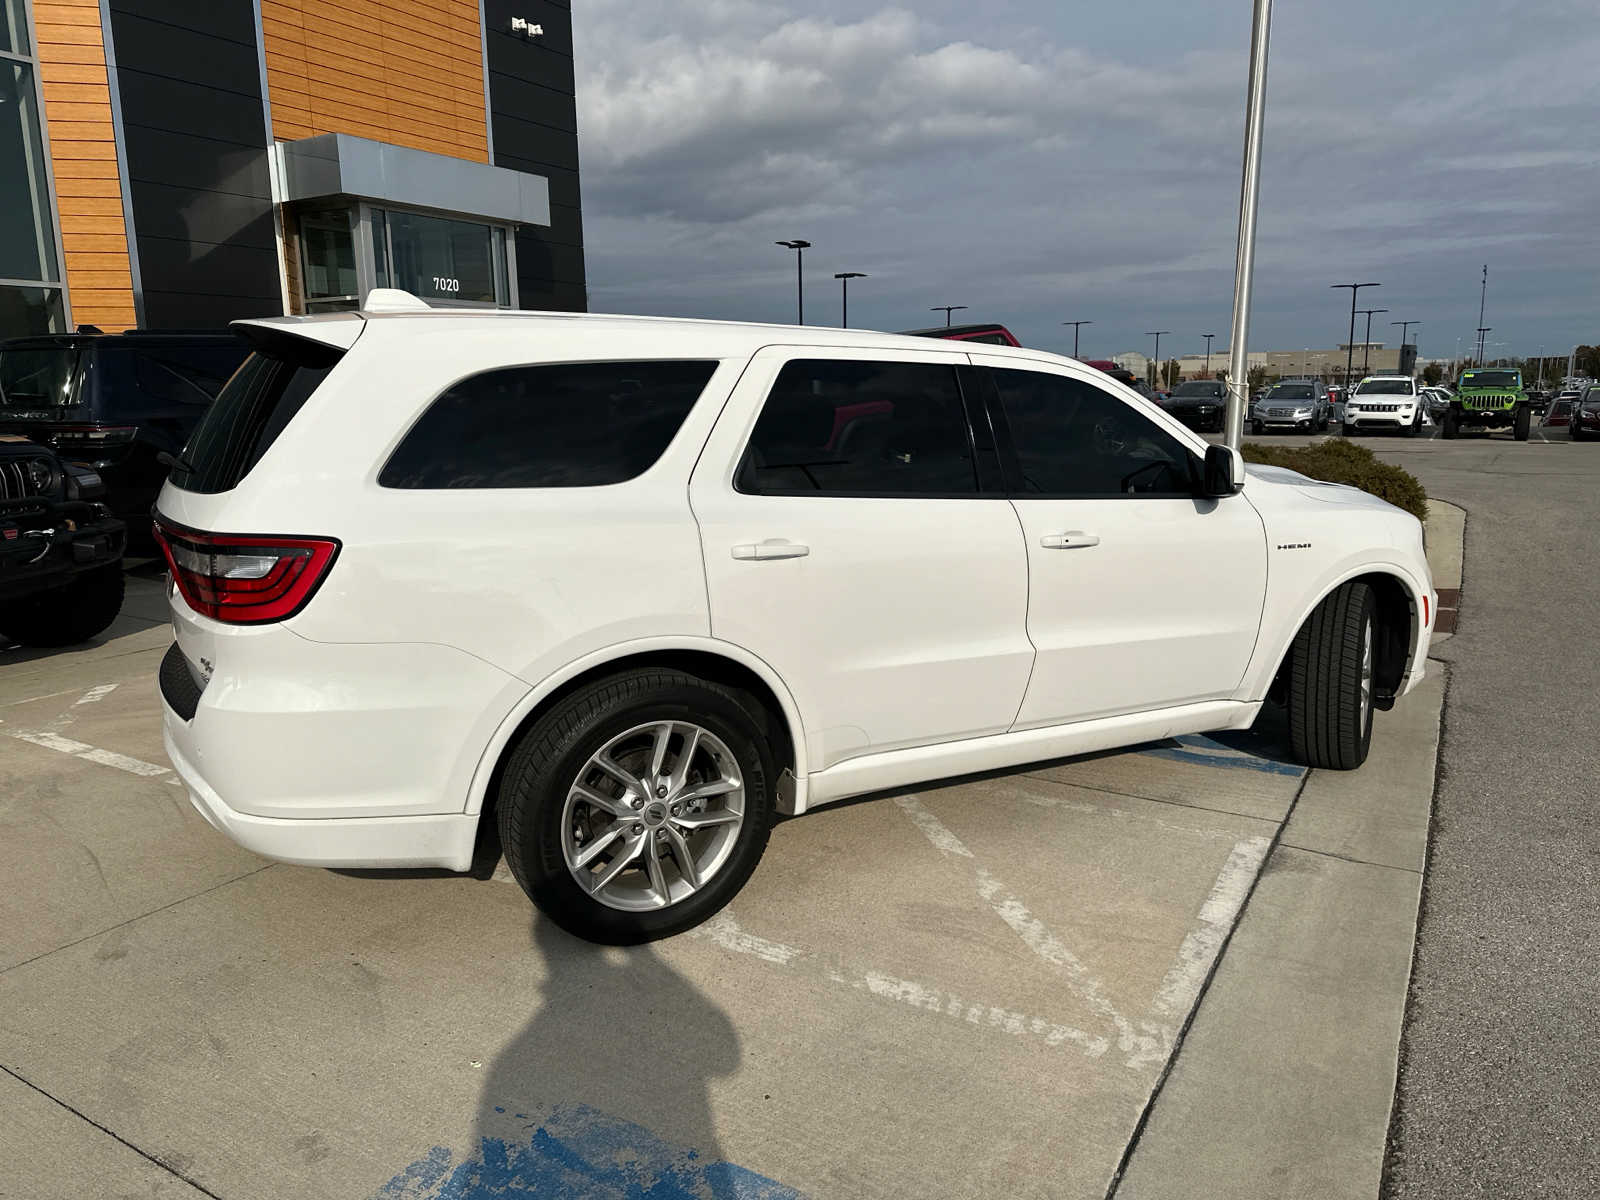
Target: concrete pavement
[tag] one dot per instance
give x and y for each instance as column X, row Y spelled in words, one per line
column 970, row 989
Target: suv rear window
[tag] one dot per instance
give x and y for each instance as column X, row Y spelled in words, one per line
column 252, row 409
column 557, row 425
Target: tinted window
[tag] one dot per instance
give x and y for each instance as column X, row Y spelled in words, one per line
column 142, row 377
column 1203, row 387
column 249, row 414
column 844, row 428
column 1290, row 391
column 567, row 425
column 1072, row 439
column 37, row 376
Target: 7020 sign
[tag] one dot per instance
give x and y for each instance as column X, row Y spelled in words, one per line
column 441, row 284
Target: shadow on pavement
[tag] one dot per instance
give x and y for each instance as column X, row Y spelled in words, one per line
column 605, row 1092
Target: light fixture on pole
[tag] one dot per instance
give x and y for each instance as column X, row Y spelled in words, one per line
column 844, row 278
column 947, row 309
column 1366, row 346
column 1155, row 373
column 799, row 247
column 1075, row 325
column 1350, row 345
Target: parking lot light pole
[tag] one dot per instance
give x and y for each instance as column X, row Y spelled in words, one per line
column 844, row 278
column 1208, row 337
column 799, row 247
column 1350, row 345
column 1155, row 374
column 947, row 309
column 1244, row 266
column 1366, row 346
column 1075, row 325
column 1483, row 332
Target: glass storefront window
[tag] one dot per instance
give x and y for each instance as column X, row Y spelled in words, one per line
column 441, row 259
column 328, row 261
column 380, row 248
column 26, row 311
column 27, row 230
column 14, row 27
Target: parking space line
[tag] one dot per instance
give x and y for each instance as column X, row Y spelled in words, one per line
column 106, row 758
column 1181, row 985
column 1141, row 1048
column 1207, row 752
column 724, row 930
column 95, row 694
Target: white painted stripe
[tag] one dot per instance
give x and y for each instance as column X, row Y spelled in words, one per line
column 134, row 766
column 106, row 758
column 1181, row 985
column 724, row 930
column 1142, row 1047
column 95, row 694
column 53, row 741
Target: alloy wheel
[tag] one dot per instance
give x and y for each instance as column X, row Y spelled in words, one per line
column 653, row 816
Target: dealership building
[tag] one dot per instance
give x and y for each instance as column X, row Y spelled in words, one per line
column 182, row 163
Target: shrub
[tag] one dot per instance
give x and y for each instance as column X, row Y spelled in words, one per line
column 1336, row 460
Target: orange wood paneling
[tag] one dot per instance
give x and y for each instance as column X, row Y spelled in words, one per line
column 83, row 156
column 415, row 79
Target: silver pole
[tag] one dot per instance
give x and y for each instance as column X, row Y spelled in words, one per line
column 1249, row 194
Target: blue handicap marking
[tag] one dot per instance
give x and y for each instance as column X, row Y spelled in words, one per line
column 580, row 1152
column 1208, row 752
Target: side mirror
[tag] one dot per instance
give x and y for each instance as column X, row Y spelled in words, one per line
column 1223, row 473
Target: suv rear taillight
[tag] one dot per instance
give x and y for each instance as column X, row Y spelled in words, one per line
column 245, row 579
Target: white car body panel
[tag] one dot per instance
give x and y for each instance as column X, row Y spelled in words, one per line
column 1384, row 410
column 366, row 729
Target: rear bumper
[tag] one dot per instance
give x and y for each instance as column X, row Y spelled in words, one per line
column 439, row 840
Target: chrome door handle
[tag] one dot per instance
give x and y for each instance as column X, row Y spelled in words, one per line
column 1073, row 539
column 771, row 548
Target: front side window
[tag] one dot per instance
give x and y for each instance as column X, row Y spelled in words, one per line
column 1074, row 440
column 838, row 427
column 550, row 426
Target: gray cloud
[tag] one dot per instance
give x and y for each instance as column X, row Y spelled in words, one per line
column 1012, row 158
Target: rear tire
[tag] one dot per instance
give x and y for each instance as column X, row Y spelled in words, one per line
column 1522, row 423
column 66, row 615
column 1451, row 426
column 557, row 755
column 1331, row 680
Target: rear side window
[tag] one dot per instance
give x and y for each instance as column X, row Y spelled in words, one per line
column 559, row 425
column 252, row 409
column 845, row 428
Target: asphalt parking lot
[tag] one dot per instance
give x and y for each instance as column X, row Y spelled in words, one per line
column 973, row 989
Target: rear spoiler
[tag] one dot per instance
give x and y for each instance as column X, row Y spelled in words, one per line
column 336, row 331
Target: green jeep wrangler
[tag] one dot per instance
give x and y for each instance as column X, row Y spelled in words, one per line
column 1489, row 398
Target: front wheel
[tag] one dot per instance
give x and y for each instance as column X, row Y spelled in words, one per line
column 1574, row 432
column 1331, row 680
column 1415, row 428
column 1348, row 430
column 1451, row 428
column 1522, row 423
column 638, row 806
column 1256, row 428
column 67, row 615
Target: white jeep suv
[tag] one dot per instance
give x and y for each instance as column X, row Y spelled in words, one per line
column 1386, row 402
column 635, row 585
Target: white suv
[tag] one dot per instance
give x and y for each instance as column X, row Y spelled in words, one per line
column 1386, row 402
column 637, row 585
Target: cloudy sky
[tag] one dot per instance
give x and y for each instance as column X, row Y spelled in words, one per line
column 1048, row 160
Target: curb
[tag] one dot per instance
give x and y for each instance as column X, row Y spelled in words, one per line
column 1447, row 533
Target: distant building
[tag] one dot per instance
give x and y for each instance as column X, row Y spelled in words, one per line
column 1329, row 365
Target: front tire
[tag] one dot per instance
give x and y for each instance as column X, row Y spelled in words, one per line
column 1451, row 427
column 1255, row 428
column 1348, row 430
column 1522, row 423
column 638, row 806
column 67, row 615
column 1331, row 680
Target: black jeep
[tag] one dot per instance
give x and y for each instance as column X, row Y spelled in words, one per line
column 60, row 548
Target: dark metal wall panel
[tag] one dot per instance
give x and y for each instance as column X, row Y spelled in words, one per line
column 195, row 135
column 533, row 114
